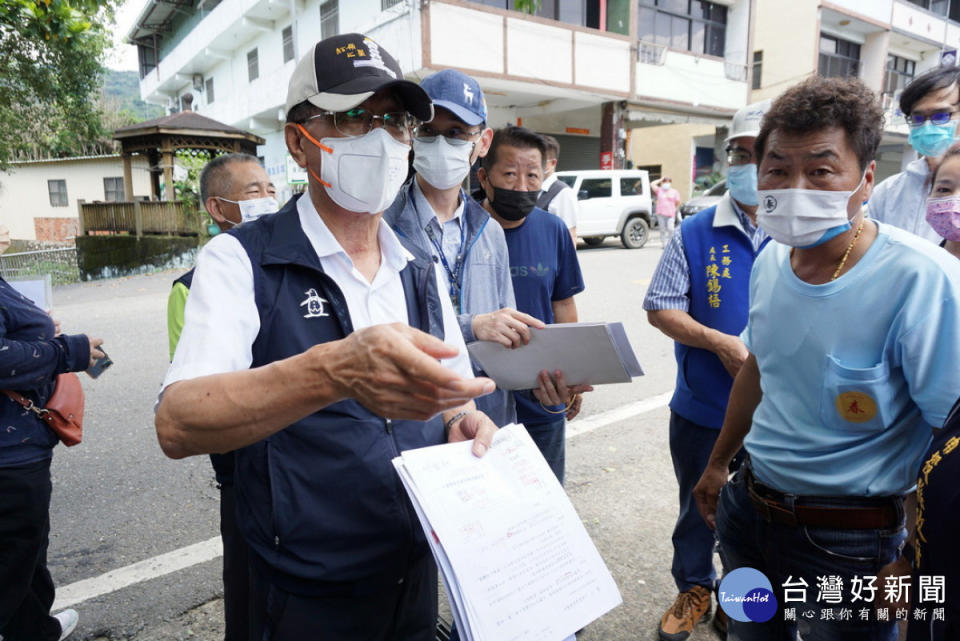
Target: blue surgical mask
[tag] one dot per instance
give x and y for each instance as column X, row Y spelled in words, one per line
column 742, row 183
column 933, row 140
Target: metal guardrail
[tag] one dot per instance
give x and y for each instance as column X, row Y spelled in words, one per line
column 136, row 217
column 60, row 263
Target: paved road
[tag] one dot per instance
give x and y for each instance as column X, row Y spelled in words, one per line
column 118, row 501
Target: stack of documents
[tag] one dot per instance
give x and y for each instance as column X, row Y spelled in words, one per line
column 586, row 353
column 516, row 560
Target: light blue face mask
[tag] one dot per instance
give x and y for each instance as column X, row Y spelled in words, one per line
column 742, row 183
column 933, row 140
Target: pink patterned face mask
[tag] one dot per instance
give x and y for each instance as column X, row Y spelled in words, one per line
column 943, row 214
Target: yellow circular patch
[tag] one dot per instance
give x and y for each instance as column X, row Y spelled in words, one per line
column 856, row 407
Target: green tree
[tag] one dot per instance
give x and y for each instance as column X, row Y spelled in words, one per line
column 527, row 6
column 51, row 61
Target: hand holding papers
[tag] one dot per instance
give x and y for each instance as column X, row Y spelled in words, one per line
column 587, row 354
column 515, row 557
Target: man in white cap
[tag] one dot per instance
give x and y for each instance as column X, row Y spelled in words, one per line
column 699, row 297
column 311, row 346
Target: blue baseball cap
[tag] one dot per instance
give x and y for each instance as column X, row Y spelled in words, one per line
column 457, row 92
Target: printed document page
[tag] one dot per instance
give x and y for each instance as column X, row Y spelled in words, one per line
column 586, row 353
column 515, row 557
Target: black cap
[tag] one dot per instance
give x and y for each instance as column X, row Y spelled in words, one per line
column 344, row 70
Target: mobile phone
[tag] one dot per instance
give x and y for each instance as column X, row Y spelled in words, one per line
column 99, row 365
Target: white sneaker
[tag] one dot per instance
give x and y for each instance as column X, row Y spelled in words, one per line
column 68, row 622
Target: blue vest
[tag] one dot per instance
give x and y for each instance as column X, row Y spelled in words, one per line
column 320, row 501
column 720, row 260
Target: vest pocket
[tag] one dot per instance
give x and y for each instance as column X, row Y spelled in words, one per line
column 854, row 398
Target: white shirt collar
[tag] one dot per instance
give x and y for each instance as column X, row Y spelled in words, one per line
column 549, row 180
column 392, row 252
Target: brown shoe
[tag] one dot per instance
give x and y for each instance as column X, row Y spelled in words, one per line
column 687, row 610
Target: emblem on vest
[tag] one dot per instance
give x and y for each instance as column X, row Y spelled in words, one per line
column 314, row 304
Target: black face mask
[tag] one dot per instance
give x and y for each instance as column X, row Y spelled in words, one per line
column 511, row 204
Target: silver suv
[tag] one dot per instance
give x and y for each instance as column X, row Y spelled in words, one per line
column 611, row 202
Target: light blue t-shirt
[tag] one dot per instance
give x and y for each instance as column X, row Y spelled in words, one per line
column 856, row 371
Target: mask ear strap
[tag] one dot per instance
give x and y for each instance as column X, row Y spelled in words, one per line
column 306, row 133
column 319, row 144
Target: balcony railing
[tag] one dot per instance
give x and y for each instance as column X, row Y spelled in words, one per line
column 649, row 53
column 165, row 217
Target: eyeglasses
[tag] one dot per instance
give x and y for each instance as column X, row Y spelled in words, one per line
column 738, row 156
column 937, row 118
column 357, row 122
column 454, row 135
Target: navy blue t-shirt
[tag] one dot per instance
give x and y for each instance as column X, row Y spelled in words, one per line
column 544, row 268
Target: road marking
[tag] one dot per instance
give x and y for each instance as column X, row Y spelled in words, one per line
column 138, row 572
column 183, row 558
column 591, row 423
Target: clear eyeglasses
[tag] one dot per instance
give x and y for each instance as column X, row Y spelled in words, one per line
column 455, row 135
column 358, row 121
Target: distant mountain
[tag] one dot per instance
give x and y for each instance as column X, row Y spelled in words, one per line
column 121, row 91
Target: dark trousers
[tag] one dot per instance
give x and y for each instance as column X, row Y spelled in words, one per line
column 549, row 438
column 693, row 541
column 407, row 610
column 801, row 555
column 26, row 587
column 236, row 579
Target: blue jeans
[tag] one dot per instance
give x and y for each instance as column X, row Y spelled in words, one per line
column 783, row 553
column 693, row 541
column 549, row 438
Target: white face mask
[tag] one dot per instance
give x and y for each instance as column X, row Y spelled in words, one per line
column 254, row 208
column 804, row 218
column 364, row 173
column 442, row 164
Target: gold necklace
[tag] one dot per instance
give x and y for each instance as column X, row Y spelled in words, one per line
column 843, row 261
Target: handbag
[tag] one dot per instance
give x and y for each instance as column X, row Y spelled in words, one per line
column 64, row 410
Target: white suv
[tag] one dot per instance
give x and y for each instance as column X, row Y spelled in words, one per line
column 611, row 202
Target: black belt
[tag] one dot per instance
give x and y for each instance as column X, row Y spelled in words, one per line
column 879, row 513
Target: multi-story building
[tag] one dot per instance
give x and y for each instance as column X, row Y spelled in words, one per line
column 886, row 43
column 652, row 82
column 594, row 73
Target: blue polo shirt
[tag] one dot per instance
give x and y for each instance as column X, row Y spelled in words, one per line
column 544, row 268
column 854, row 372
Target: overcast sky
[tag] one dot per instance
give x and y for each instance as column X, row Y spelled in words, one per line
column 124, row 56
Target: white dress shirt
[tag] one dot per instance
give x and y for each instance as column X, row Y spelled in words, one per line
column 564, row 204
column 221, row 320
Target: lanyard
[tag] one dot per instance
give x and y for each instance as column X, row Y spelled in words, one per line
column 453, row 275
